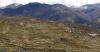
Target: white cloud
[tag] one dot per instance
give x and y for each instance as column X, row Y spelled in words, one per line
column 71, row 2
column 5, row 2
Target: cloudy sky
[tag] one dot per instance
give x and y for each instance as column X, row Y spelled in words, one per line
column 66, row 2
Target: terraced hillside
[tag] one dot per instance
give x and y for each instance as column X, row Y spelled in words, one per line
column 25, row 34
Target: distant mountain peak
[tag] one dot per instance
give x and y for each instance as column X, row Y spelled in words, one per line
column 92, row 5
column 14, row 5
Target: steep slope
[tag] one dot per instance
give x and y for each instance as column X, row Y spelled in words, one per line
column 93, row 10
column 25, row 34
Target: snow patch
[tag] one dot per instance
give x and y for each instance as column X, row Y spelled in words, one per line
column 93, row 34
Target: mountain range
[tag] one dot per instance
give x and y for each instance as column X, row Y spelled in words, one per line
column 56, row 12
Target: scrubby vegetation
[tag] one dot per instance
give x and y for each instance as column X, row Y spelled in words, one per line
column 25, row 34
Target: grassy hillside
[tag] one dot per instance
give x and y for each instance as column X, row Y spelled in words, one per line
column 25, row 34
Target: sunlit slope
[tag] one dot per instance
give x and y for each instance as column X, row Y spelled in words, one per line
column 33, row 35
